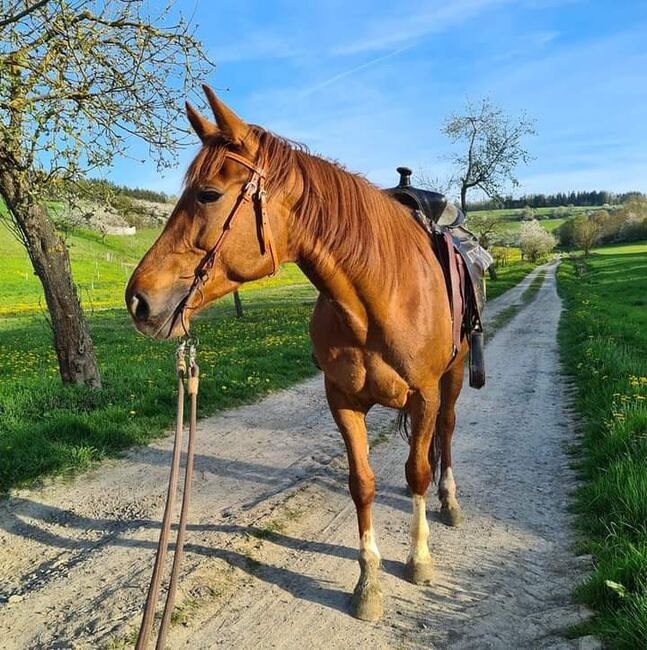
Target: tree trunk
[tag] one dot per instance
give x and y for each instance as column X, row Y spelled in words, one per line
column 464, row 199
column 238, row 304
column 49, row 257
column 492, row 272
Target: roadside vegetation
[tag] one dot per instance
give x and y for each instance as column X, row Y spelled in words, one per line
column 47, row 428
column 603, row 338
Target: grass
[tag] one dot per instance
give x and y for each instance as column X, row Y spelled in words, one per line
column 603, row 338
column 614, row 249
column 101, row 269
column 515, row 214
column 48, row 429
column 512, row 217
column 514, row 227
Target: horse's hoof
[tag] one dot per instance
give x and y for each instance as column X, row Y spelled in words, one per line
column 420, row 573
column 367, row 603
column 451, row 515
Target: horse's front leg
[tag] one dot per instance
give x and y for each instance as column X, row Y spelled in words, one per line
column 423, row 410
column 367, row 602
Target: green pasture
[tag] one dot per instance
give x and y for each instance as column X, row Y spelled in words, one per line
column 603, row 337
column 48, row 429
column 512, row 217
column 514, row 227
column 625, row 249
column 515, row 214
column 101, row 267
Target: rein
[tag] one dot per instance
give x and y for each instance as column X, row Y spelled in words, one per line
column 192, row 376
column 253, row 190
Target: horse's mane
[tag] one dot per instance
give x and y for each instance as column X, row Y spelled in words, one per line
column 338, row 211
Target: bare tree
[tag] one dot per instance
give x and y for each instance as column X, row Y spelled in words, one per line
column 78, row 81
column 586, row 233
column 441, row 184
column 492, row 148
column 486, row 227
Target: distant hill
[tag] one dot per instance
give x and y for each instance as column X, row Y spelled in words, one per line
column 103, row 206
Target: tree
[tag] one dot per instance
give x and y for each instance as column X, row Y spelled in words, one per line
column 586, row 233
column 78, row 81
column 565, row 233
column 492, row 148
column 527, row 214
column 486, row 227
column 534, row 241
column 13, row 15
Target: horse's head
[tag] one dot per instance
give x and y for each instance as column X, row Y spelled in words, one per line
column 224, row 230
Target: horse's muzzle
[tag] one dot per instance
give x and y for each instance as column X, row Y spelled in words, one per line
column 157, row 317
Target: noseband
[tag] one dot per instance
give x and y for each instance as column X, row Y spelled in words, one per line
column 254, row 191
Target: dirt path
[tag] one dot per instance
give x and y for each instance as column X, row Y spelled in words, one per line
column 271, row 552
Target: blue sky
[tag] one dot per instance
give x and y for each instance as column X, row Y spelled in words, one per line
column 369, row 83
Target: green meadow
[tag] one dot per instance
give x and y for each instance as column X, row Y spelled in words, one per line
column 48, row 429
column 603, row 337
column 512, row 217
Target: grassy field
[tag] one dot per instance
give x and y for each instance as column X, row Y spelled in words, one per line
column 101, row 267
column 512, row 214
column 513, row 222
column 514, row 227
column 47, row 429
column 603, row 337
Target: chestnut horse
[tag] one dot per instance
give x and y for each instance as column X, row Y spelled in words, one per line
column 381, row 329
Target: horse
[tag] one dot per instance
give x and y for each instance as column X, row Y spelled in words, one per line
column 381, row 328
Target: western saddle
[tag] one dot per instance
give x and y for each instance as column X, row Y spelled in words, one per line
column 463, row 260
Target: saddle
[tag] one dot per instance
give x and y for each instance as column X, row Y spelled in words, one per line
column 462, row 259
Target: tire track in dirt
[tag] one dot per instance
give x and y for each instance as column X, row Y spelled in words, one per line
column 271, row 550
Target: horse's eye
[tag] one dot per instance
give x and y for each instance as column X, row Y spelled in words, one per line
column 208, row 196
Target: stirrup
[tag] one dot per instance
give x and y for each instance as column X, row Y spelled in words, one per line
column 477, row 360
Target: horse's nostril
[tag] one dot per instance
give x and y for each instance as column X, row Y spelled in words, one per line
column 139, row 308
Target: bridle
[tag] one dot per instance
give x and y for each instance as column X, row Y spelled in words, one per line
column 253, row 190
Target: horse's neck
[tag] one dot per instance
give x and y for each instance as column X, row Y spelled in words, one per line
column 387, row 272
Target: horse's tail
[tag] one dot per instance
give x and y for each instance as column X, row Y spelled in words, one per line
column 434, row 455
column 403, row 425
column 436, row 446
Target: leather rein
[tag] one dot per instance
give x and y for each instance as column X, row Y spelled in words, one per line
column 253, row 190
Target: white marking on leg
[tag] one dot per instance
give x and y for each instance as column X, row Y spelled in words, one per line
column 447, row 487
column 367, row 543
column 419, row 553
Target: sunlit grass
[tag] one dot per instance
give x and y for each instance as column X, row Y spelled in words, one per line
column 603, row 336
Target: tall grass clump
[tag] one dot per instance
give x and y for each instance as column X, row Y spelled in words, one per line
column 603, row 339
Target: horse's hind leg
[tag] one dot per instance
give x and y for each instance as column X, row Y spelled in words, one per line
column 450, row 388
column 367, row 601
column 423, row 410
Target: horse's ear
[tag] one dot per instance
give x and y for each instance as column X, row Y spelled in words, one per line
column 201, row 125
column 228, row 122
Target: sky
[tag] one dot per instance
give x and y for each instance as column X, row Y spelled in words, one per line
column 370, row 82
